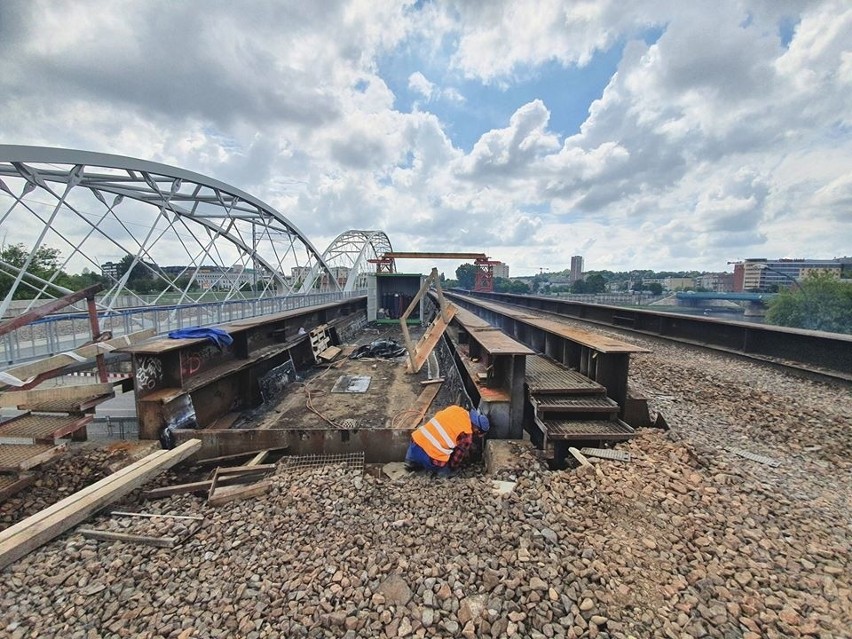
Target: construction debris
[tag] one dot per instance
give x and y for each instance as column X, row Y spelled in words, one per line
column 606, row 453
column 760, row 459
column 18, row 540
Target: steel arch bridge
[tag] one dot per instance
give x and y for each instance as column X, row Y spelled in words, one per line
column 349, row 256
column 157, row 234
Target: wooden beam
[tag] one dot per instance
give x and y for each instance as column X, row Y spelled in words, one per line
column 13, row 399
column 121, row 513
column 210, row 461
column 202, row 486
column 424, row 401
column 429, row 340
column 258, row 459
column 177, row 489
column 21, row 375
column 27, row 535
column 223, row 495
column 106, row 535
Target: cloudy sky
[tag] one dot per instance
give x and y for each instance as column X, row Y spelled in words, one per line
column 656, row 134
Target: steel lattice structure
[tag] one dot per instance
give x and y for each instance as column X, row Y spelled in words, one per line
column 349, row 257
column 184, row 237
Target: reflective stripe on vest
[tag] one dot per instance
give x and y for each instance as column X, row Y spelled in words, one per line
column 436, row 435
column 443, row 433
column 435, row 443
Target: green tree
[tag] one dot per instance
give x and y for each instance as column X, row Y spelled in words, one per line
column 655, row 288
column 820, row 303
column 595, row 283
column 579, row 287
column 466, row 275
column 44, row 264
column 503, row 285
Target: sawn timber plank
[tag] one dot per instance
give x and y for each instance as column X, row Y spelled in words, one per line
column 27, row 535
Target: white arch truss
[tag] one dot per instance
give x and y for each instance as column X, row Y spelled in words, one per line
column 348, row 258
column 155, row 234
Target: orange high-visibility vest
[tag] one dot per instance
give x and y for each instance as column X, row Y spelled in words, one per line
column 438, row 436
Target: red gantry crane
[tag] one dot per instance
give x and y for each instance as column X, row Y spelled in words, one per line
column 484, row 281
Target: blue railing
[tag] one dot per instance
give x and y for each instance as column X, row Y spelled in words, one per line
column 67, row 331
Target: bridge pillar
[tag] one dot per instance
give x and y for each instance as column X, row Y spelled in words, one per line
column 755, row 309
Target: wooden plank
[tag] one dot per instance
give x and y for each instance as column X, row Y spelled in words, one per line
column 437, row 380
column 330, row 353
column 177, row 489
column 28, row 372
column 122, row 513
column 27, row 535
column 258, row 459
column 106, row 481
column 213, row 483
column 13, row 484
column 13, row 399
column 233, row 493
column 246, row 470
column 424, row 401
column 106, row 535
column 429, row 340
column 202, row 486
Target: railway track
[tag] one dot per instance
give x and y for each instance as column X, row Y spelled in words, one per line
column 837, row 373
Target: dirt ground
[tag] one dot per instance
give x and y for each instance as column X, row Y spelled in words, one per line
column 387, row 402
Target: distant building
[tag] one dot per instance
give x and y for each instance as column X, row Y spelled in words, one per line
column 501, row 270
column 112, row 270
column 576, row 267
column 761, row 274
column 716, row 282
column 678, row 283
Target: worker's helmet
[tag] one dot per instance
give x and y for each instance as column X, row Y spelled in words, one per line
column 479, row 421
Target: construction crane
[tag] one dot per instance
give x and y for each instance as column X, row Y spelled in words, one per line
column 484, row 281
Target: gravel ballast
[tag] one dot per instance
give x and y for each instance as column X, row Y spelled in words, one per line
column 685, row 540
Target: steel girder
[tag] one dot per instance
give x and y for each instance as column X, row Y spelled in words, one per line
column 181, row 235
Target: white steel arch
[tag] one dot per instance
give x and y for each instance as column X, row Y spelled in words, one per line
column 348, row 258
column 156, row 234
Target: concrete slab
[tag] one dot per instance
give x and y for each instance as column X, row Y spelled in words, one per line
column 395, row 470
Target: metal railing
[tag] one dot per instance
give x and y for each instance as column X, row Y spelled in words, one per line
column 63, row 332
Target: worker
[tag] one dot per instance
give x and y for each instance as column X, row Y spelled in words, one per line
column 444, row 441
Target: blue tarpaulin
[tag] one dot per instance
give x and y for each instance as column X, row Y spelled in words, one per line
column 215, row 335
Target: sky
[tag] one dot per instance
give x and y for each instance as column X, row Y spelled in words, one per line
column 665, row 135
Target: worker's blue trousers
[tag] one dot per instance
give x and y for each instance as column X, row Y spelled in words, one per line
column 418, row 457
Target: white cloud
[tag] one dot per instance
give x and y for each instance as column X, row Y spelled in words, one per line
column 418, row 83
column 715, row 141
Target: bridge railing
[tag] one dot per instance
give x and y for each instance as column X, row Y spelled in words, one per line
column 63, row 332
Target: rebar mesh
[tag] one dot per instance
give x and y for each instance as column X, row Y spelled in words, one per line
column 351, row 461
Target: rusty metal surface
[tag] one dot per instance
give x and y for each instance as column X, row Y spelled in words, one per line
column 561, row 429
column 377, row 444
column 546, row 376
column 65, row 405
column 42, row 426
column 16, row 456
column 582, row 403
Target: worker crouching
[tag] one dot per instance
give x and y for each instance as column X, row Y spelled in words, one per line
column 442, row 444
